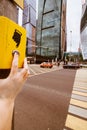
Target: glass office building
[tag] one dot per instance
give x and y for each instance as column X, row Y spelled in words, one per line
column 84, row 31
column 29, row 23
column 49, row 29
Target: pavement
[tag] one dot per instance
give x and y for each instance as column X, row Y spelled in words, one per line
column 77, row 111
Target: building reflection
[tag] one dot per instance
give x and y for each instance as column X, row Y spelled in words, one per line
column 50, row 29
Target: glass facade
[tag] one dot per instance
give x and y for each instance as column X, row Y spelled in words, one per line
column 29, row 22
column 49, row 28
column 84, row 31
column 84, row 43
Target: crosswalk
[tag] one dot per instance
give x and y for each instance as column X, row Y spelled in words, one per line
column 35, row 69
column 77, row 112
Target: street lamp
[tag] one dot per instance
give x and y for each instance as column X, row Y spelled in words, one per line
column 70, row 45
column 70, row 40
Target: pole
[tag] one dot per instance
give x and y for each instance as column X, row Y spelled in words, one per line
column 70, row 41
column 70, row 44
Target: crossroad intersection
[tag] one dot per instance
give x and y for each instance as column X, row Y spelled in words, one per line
column 35, row 69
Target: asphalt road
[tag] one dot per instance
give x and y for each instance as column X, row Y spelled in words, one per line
column 43, row 102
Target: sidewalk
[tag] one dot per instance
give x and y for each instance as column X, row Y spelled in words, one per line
column 77, row 112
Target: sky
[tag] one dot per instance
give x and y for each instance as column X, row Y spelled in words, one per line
column 74, row 12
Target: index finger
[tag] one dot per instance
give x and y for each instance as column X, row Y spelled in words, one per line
column 14, row 67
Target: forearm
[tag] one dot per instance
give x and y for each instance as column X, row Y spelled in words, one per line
column 6, row 112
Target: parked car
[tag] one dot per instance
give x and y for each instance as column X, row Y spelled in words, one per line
column 46, row 65
column 71, row 66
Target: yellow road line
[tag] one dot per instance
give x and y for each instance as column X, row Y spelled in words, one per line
column 80, row 87
column 78, row 103
column 80, row 84
column 76, row 123
column 79, row 93
column 80, row 81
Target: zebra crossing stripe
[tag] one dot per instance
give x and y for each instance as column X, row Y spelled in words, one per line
column 78, row 103
column 76, row 123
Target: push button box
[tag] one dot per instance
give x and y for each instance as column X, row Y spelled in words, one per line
column 12, row 37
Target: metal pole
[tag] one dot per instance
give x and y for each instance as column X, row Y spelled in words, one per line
column 70, row 41
column 70, row 44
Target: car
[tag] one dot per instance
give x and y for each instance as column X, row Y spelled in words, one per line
column 46, row 65
column 71, row 66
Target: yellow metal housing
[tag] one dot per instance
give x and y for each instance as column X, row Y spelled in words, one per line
column 12, row 37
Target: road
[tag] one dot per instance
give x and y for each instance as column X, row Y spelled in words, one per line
column 35, row 69
column 44, row 102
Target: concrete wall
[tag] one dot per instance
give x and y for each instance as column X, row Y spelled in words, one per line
column 8, row 9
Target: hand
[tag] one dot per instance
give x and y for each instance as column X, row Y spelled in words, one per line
column 9, row 89
column 11, row 86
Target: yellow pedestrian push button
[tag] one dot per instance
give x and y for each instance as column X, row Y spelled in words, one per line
column 12, row 37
